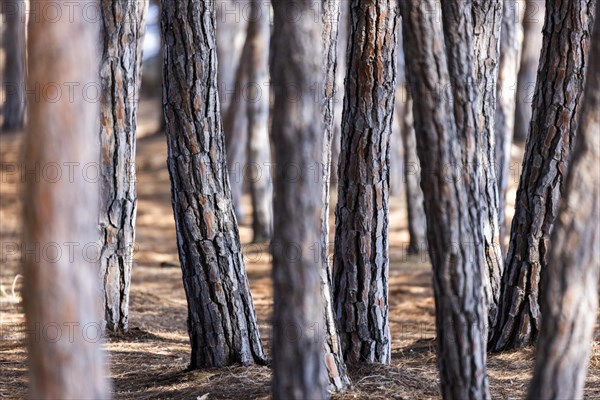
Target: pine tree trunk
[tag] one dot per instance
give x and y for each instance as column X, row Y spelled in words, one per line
column 569, row 298
column 297, row 132
column 505, row 105
column 120, row 77
column 257, row 107
column 334, row 357
column 533, row 22
column 417, row 222
column 221, row 320
column 361, row 237
column 61, row 285
column 553, row 126
column 456, row 256
column 13, row 45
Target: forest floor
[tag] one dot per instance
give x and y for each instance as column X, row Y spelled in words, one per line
column 151, row 360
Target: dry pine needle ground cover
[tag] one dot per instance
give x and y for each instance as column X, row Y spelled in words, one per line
column 150, row 361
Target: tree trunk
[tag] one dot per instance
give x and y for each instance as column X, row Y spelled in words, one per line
column 569, row 298
column 452, row 229
column 61, row 285
column 257, row 107
column 120, row 77
column 221, row 320
column 334, row 357
column 361, row 241
column 297, row 132
column 417, row 222
column 13, row 45
column 505, row 105
column 533, row 22
column 556, row 105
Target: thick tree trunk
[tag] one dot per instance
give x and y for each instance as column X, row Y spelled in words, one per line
column 553, row 126
column 13, row 45
column 361, row 242
column 221, row 320
column 569, row 298
column 120, row 77
column 417, row 222
column 61, row 284
column 533, row 22
column 456, row 254
column 297, row 132
column 505, row 106
column 257, row 107
column 334, row 357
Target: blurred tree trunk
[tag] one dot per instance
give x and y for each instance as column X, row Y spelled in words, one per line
column 14, row 47
column 553, row 126
column 61, row 287
column 221, row 320
column 505, row 106
column 297, row 132
column 533, row 22
column 257, row 107
column 417, row 222
column 361, row 237
column 569, row 299
column 453, row 228
column 334, row 357
column 120, row 77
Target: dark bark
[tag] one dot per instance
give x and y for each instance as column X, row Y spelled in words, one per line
column 297, row 133
column 452, row 230
column 61, row 286
column 533, row 22
column 553, row 126
column 334, row 357
column 505, row 105
column 257, row 107
column 13, row 46
column 361, row 237
column 569, row 298
column 120, row 77
column 221, row 320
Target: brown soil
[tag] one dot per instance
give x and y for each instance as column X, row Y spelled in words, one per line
column 151, row 360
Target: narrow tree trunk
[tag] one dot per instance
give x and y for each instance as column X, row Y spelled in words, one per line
column 13, row 45
column 533, row 22
column 553, row 126
column 221, row 320
column 120, row 77
column 569, row 298
column 257, row 107
column 297, row 132
column 361, row 242
column 61, row 285
column 334, row 357
column 505, row 105
column 452, row 230
column 417, row 222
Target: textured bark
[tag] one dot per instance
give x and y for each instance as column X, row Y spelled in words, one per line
column 334, row 357
column 120, row 77
column 505, row 106
column 13, row 46
column 569, row 298
column 221, row 320
column 297, row 132
column 533, row 22
column 456, row 255
column 61, row 285
column 361, row 243
column 417, row 221
column 257, row 107
column 553, row 126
